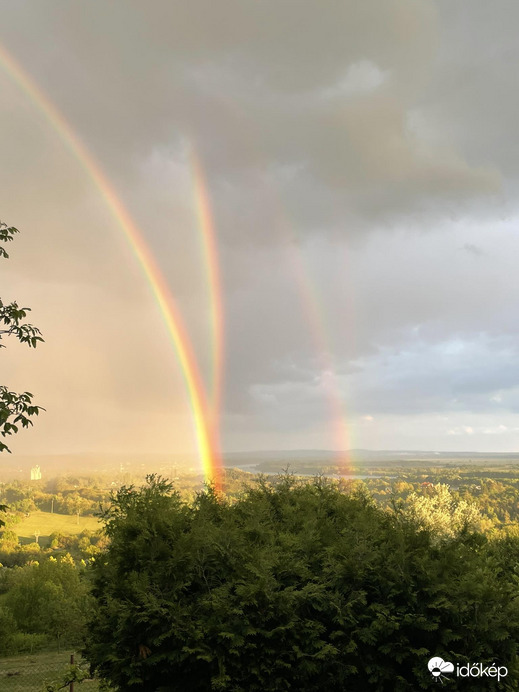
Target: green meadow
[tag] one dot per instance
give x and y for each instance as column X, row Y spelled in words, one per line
column 46, row 523
column 28, row 673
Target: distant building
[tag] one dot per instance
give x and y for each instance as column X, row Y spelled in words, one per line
column 35, row 473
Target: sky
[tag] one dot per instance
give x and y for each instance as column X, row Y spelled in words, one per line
column 360, row 177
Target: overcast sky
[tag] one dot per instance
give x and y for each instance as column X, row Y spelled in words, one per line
column 362, row 165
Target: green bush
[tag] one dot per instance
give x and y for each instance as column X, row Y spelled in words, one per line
column 12, row 641
column 26, row 643
column 49, row 598
column 294, row 587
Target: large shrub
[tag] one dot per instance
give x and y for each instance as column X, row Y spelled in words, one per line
column 292, row 587
column 49, row 598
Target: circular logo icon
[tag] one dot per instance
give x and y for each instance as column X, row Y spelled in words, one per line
column 438, row 667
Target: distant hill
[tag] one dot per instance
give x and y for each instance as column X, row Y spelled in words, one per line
column 357, row 461
column 257, row 461
column 362, row 455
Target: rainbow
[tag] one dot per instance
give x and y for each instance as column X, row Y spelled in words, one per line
column 314, row 315
column 204, row 215
column 313, row 311
column 204, row 423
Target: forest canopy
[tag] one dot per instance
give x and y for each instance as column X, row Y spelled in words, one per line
column 293, row 586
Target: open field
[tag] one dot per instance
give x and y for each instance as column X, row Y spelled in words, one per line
column 28, row 673
column 46, row 523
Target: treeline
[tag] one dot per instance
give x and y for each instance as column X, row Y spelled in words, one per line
column 43, row 604
column 69, row 495
column 81, row 547
column 84, row 495
column 494, row 492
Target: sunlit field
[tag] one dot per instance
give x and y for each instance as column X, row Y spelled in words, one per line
column 46, row 523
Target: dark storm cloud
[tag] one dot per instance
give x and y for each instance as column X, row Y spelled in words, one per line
column 323, row 90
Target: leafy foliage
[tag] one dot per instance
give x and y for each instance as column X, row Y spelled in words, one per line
column 49, row 598
column 11, row 316
column 438, row 511
column 293, row 587
column 6, row 235
column 15, row 409
column 74, row 672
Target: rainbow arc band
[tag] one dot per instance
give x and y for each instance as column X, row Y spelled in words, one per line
column 202, row 204
column 204, row 420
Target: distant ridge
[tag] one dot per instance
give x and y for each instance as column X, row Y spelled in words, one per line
column 359, row 455
column 308, row 461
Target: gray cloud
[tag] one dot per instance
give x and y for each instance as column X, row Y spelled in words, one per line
column 350, row 149
column 261, row 86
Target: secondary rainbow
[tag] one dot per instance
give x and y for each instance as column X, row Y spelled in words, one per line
column 312, row 308
column 204, row 424
column 314, row 315
column 202, row 204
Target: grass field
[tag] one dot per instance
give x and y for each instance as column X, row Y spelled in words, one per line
column 29, row 673
column 46, row 523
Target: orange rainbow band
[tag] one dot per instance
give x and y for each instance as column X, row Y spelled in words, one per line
column 205, row 433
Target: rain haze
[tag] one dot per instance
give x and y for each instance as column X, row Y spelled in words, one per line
column 329, row 192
